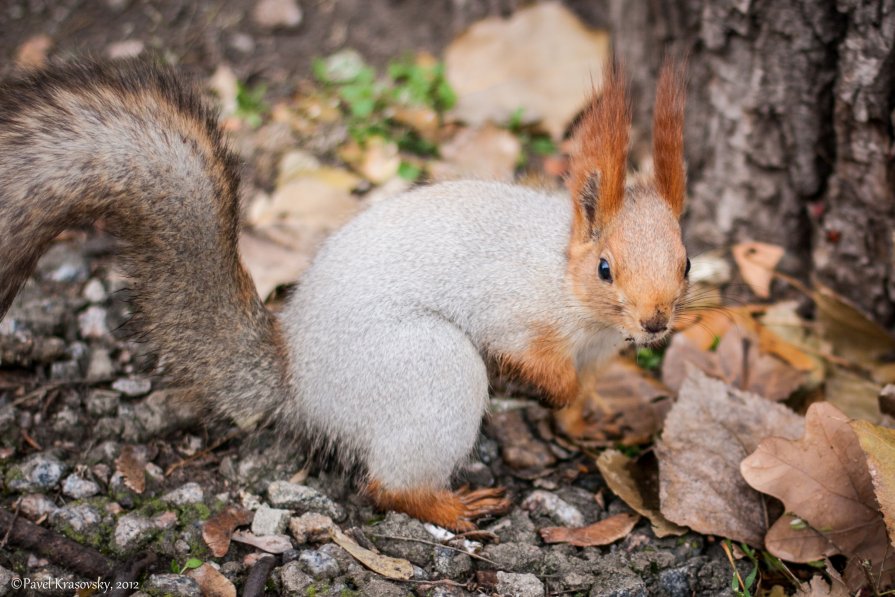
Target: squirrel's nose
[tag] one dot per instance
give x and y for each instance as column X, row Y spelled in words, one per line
column 656, row 324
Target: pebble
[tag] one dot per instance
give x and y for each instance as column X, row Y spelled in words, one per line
column 78, row 488
column 79, row 517
column 129, row 48
column 65, row 370
column 270, row 521
column 35, row 505
column 451, row 564
column 277, row 13
column 132, row 387
column 303, row 499
column 101, row 403
column 38, row 471
column 6, row 578
column 311, row 527
column 134, row 529
column 514, row 557
column 318, row 564
column 558, row 510
column 519, row 585
column 175, row 585
column 94, row 291
column 100, row 366
column 293, row 580
column 92, row 323
column 188, row 493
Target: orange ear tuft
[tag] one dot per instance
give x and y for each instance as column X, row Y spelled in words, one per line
column 599, row 162
column 668, row 135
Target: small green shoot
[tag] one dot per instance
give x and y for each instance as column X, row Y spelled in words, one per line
column 742, row 587
column 650, row 358
column 409, row 171
column 190, row 564
column 250, row 105
column 534, row 142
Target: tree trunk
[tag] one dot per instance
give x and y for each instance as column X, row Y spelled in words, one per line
column 790, row 128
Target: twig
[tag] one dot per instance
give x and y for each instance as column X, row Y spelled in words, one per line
column 254, row 586
column 15, row 516
column 434, row 544
column 84, row 560
column 201, row 453
column 30, row 440
column 868, row 574
column 130, row 572
column 733, row 565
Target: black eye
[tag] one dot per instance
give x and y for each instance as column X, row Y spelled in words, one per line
column 687, row 269
column 603, row 270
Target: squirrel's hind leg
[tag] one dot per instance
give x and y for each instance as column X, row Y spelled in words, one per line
column 438, row 387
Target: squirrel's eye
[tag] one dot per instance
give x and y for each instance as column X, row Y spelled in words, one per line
column 603, row 270
column 687, row 269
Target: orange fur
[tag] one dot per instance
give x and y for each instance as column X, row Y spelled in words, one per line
column 452, row 510
column 547, row 363
column 601, row 142
column 668, row 135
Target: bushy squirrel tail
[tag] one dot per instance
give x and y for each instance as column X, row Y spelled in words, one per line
column 134, row 146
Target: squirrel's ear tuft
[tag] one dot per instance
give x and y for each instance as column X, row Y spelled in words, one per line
column 668, row 134
column 600, row 156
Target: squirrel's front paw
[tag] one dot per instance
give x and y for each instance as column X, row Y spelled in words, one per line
column 451, row 510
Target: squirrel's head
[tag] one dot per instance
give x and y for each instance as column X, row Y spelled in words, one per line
column 627, row 262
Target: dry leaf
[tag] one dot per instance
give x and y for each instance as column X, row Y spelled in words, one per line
column 823, row 479
column 33, row 52
column 818, row 587
column 852, row 334
column 878, row 444
column 211, row 582
column 217, row 530
column 269, row 263
column 738, row 361
column 625, row 478
column 709, row 430
column 757, row 262
column 499, row 66
column 132, row 467
column 394, row 568
column 853, row 393
column 487, row 152
column 269, row 543
column 608, row 530
column 619, row 403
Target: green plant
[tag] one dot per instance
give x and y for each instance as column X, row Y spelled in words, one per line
column 250, row 105
column 742, row 587
column 534, row 142
column 650, row 358
column 190, row 564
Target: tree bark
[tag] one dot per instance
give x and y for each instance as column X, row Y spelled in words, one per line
column 790, row 128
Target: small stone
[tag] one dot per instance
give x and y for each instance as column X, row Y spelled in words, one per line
column 65, row 370
column 132, row 531
column 519, row 585
column 383, row 588
column 303, row 499
column 451, row 564
column 79, row 488
column 100, row 367
column 6, row 578
column 675, row 582
column 175, row 585
column 92, row 323
column 514, row 557
column 77, row 517
column 35, row 505
column 318, row 564
column 7, row 418
column 101, row 403
column 311, row 527
column 277, row 13
column 188, row 493
column 129, row 48
column 64, row 263
column 293, row 579
column 558, row 510
column 415, row 548
column 270, row 521
column 94, row 291
column 132, row 387
column 38, row 471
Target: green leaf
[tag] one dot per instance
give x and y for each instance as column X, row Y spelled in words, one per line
column 191, row 563
column 409, row 171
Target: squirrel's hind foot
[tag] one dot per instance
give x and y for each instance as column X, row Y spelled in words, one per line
column 454, row 510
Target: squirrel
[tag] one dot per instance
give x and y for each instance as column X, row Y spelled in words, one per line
column 381, row 349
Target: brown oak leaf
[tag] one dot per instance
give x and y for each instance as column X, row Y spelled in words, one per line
column 823, row 479
column 608, row 530
column 708, row 432
column 132, row 466
column 217, row 530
